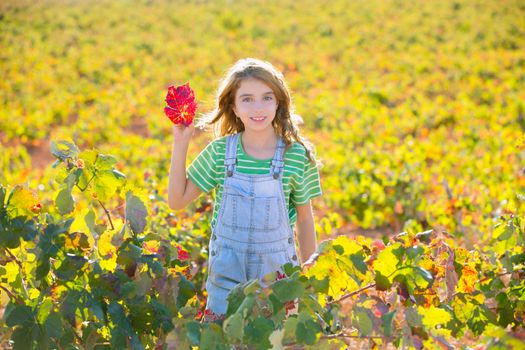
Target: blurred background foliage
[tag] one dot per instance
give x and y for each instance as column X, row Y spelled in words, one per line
column 415, row 107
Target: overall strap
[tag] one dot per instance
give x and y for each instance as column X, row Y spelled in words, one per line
column 230, row 157
column 277, row 161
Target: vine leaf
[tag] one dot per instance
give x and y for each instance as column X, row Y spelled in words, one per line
column 136, row 213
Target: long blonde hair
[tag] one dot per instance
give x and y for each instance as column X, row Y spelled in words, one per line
column 224, row 120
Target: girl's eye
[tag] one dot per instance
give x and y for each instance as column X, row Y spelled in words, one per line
column 248, row 99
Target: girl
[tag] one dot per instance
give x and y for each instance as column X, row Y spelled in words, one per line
column 264, row 175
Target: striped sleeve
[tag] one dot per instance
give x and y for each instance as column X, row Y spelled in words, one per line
column 202, row 171
column 307, row 187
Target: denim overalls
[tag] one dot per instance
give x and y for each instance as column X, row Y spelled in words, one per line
column 252, row 236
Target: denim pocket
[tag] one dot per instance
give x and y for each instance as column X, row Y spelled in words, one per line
column 251, row 213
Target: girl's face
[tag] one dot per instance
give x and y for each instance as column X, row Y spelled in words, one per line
column 255, row 105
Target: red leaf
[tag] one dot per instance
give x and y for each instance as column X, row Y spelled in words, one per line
column 182, row 254
column 181, row 104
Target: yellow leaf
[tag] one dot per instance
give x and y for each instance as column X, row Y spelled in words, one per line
column 21, row 202
column 386, row 261
column 105, row 248
column 469, row 277
column 349, row 245
column 33, row 293
column 109, row 264
column 11, row 271
column 432, row 316
column 151, row 247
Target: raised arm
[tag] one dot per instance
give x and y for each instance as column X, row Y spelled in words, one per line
column 181, row 190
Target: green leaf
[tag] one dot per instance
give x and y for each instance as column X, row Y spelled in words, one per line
column 414, row 252
column 258, row 332
column 359, row 262
column 119, row 338
column 252, row 287
column 3, row 192
column 64, row 149
column 340, row 250
column 129, row 253
column 245, row 308
column 415, row 278
column 43, row 310
column 363, row 323
column 306, row 332
column 22, row 339
column 105, row 162
column 94, row 305
column 235, row 298
column 413, row 318
column 20, row 315
column 505, row 310
column 290, row 329
column 15, row 229
column 382, row 282
column 119, row 318
column 64, row 201
column 320, row 286
column 425, row 237
column 90, row 219
column 303, row 335
column 106, row 183
column 234, row 327
column 70, row 305
column 162, row 318
column 53, row 325
column 136, row 213
column 287, row 289
column 289, row 269
column 423, row 278
column 72, row 178
column 10, row 235
column 70, row 267
column 186, row 291
column 387, row 322
column 507, row 232
column 212, row 338
column 193, row 332
column 42, row 267
column 53, row 229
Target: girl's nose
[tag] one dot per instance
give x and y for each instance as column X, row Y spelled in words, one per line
column 257, row 106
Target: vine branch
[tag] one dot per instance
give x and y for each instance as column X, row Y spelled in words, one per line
column 107, row 214
column 12, row 295
column 13, row 257
column 351, row 294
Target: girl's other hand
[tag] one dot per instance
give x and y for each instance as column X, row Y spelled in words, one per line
column 306, row 265
column 310, row 262
column 182, row 134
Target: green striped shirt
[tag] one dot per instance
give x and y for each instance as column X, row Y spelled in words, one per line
column 300, row 177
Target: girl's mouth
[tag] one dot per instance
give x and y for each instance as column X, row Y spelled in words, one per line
column 258, row 119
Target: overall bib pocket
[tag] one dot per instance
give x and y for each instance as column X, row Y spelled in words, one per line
column 251, row 213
